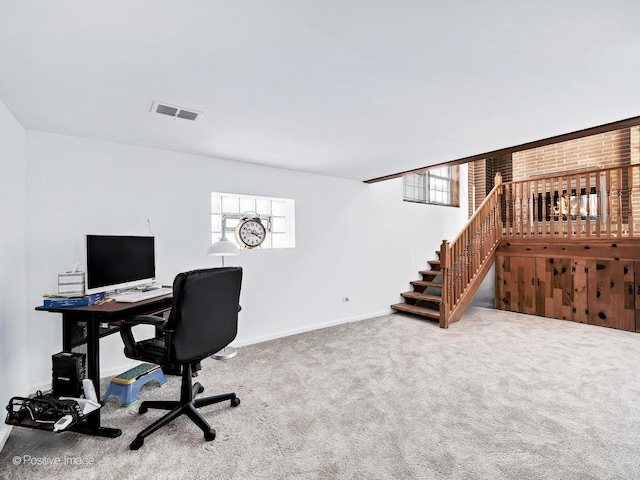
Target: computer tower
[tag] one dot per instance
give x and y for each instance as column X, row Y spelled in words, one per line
column 68, row 371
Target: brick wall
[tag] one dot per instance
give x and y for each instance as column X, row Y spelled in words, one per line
column 481, row 176
column 504, row 166
column 596, row 151
column 610, row 149
column 477, row 180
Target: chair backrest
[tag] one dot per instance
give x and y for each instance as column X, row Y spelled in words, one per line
column 204, row 316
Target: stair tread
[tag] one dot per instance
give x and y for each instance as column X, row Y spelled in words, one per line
column 426, row 283
column 434, row 262
column 430, row 272
column 425, row 312
column 422, row 296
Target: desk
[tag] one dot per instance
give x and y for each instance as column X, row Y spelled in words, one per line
column 87, row 325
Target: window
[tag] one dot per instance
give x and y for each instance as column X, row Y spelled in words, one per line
column 438, row 186
column 276, row 214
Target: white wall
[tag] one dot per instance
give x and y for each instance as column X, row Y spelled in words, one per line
column 14, row 335
column 352, row 239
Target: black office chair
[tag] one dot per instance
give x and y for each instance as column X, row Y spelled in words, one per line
column 203, row 321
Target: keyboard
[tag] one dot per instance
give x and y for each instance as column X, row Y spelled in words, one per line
column 137, row 296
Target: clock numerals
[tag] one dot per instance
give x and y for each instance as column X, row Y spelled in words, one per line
column 251, row 233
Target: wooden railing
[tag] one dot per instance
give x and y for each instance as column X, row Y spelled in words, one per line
column 464, row 261
column 602, row 203
column 586, row 204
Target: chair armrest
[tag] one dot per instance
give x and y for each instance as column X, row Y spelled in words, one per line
column 126, row 332
column 157, row 322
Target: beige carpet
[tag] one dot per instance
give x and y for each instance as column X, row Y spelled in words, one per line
column 496, row 396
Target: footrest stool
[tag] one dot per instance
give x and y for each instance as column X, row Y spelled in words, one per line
column 127, row 384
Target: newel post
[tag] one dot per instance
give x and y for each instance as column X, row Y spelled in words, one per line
column 445, row 266
column 498, row 183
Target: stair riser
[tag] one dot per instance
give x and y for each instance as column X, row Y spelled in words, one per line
column 418, row 302
column 423, row 312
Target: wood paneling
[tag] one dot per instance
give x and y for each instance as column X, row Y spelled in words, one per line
column 515, row 284
column 598, row 292
column 611, row 301
column 595, row 249
column 636, row 289
column 561, row 288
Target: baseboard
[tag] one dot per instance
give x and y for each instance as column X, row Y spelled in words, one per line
column 308, row 328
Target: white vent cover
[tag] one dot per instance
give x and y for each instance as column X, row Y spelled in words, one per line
column 175, row 111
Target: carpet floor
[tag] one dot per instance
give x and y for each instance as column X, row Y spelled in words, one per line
column 496, row 396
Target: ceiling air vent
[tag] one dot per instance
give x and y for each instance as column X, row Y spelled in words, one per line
column 175, row 112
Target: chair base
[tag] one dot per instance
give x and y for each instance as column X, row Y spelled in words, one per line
column 187, row 405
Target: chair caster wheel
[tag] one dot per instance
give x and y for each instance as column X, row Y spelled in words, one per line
column 136, row 444
column 143, row 409
column 201, row 389
column 210, row 435
column 235, row 402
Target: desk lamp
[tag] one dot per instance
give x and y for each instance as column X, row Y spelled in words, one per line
column 219, row 249
column 223, row 246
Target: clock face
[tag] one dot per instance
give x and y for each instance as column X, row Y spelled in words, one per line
column 251, row 233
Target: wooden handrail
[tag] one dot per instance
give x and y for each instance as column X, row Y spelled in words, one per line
column 481, row 208
column 465, row 258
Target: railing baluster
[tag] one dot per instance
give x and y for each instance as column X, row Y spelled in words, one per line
column 600, row 203
column 619, row 201
column 508, row 210
column 609, row 230
column 533, row 209
column 587, row 201
column 521, row 210
column 561, row 203
column 575, row 205
column 552, row 206
column 630, row 192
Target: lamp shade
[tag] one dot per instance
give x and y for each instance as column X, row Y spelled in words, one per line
column 223, row 247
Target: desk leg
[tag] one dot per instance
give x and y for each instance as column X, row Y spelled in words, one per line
column 91, row 426
column 67, row 335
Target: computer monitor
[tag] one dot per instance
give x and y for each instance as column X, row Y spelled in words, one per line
column 118, row 262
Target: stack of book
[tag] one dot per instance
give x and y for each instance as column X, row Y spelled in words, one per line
column 56, row 301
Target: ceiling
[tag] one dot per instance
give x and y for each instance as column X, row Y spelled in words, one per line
column 348, row 88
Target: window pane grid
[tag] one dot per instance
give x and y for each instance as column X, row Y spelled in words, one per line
column 432, row 186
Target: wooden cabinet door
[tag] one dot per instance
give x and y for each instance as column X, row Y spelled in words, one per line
column 516, row 284
column 562, row 288
column 611, row 292
column 636, row 288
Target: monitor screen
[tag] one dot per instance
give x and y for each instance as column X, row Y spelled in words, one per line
column 116, row 262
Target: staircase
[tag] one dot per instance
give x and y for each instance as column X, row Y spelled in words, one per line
column 449, row 285
column 426, row 296
column 587, row 204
